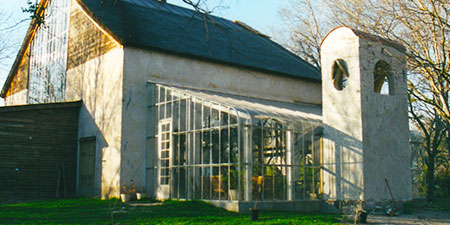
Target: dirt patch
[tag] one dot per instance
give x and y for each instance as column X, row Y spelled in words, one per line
column 419, row 216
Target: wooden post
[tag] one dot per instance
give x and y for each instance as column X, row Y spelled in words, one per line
column 58, row 182
column 64, row 180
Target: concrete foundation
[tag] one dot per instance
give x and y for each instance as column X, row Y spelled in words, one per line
column 292, row 206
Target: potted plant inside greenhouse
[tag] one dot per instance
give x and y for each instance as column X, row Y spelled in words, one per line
column 232, row 181
column 220, row 145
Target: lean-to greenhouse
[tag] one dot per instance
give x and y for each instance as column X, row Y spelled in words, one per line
column 215, row 146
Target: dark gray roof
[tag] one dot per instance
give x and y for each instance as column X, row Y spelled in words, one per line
column 174, row 29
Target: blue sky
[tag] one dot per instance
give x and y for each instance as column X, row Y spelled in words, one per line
column 259, row 14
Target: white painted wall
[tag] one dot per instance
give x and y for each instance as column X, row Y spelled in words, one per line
column 143, row 65
column 98, row 83
column 341, row 112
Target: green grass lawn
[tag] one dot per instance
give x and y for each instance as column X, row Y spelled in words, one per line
column 94, row 211
column 442, row 203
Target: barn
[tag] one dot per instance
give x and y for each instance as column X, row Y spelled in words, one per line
column 177, row 104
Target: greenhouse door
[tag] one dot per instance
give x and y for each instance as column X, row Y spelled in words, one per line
column 164, row 155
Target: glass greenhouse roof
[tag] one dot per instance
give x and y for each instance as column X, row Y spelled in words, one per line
column 248, row 107
column 216, row 146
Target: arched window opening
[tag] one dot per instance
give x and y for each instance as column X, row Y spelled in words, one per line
column 383, row 78
column 339, row 74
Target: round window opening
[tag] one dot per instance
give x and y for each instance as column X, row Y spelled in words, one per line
column 339, row 74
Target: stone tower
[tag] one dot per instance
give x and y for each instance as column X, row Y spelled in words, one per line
column 366, row 136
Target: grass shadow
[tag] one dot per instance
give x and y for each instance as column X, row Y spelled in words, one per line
column 95, row 211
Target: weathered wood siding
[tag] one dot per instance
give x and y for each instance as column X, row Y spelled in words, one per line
column 86, row 40
column 20, row 80
column 37, row 142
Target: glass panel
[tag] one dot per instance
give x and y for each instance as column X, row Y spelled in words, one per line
column 299, row 183
column 161, row 109
column 257, row 149
column 268, row 183
column 279, row 175
column 176, row 116
column 168, row 110
column 48, row 58
column 316, row 188
column 176, row 151
column 233, row 119
column 182, row 115
column 215, row 121
column 182, row 183
column 197, row 183
column 206, row 176
column 225, row 148
column 215, row 143
column 183, row 149
column 217, row 183
column 206, row 117
column 162, row 94
column 206, row 148
column 317, row 145
column 175, row 183
column 190, row 182
column 257, row 182
column 164, row 163
column 306, row 157
column 190, row 115
column 224, row 118
column 233, row 182
column 309, row 173
column 197, row 147
column 242, row 183
column 198, row 115
column 234, row 145
column 224, row 179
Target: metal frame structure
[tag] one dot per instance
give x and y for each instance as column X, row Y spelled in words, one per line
column 226, row 151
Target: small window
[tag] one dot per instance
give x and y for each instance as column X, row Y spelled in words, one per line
column 383, row 78
column 339, row 74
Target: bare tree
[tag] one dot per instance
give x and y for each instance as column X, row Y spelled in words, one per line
column 7, row 44
column 422, row 26
column 306, row 28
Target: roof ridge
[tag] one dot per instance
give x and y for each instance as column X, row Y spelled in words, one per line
column 249, row 28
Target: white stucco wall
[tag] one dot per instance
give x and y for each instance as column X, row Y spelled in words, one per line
column 98, row 83
column 19, row 98
column 341, row 112
column 385, row 127
column 142, row 65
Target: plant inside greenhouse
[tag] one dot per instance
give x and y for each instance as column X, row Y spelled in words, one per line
column 215, row 147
